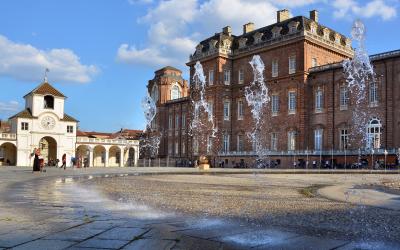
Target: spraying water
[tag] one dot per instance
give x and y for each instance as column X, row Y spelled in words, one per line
column 151, row 139
column 202, row 125
column 257, row 98
column 358, row 72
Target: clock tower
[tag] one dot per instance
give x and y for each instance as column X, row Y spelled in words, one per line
column 43, row 124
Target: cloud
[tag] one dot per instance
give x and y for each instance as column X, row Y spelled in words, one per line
column 9, row 107
column 132, row 2
column 27, row 63
column 375, row 8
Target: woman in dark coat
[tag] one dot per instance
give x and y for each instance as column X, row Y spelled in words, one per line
column 36, row 161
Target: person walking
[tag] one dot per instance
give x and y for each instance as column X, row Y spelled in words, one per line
column 64, row 161
column 36, row 161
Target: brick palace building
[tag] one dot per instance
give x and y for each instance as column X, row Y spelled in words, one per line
column 310, row 109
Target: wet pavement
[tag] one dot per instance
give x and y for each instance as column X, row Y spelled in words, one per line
column 49, row 211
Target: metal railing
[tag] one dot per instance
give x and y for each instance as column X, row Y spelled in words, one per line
column 106, row 141
column 8, row 136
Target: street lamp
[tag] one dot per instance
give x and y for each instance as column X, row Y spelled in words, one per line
column 372, row 153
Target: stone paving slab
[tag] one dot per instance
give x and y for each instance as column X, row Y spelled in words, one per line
column 122, row 233
column 187, row 242
column 214, row 232
column 142, row 244
column 370, row 245
column 45, row 245
column 100, row 243
column 303, row 243
column 75, row 234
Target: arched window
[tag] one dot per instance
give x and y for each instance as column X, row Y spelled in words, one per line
column 374, row 133
column 49, row 102
column 175, row 92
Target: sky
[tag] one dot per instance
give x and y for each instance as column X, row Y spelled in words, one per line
column 102, row 53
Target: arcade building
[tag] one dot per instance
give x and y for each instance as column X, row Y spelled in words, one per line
column 310, row 109
column 43, row 124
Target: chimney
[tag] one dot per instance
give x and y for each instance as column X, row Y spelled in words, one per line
column 282, row 15
column 314, row 15
column 227, row 30
column 248, row 27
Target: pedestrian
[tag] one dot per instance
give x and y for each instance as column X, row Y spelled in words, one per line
column 64, row 161
column 36, row 161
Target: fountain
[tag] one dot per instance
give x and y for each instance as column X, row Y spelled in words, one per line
column 358, row 72
column 202, row 127
column 150, row 140
column 257, row 98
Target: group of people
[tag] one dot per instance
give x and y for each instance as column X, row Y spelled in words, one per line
column 38, row 161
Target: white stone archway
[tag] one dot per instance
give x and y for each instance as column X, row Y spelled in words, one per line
column 99, row 156
column 48, row 149
column 84, row 154
column 114, row 156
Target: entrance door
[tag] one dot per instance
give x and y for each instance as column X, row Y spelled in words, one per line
column 48, row 149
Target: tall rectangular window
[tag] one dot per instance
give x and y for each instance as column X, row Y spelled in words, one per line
column 170, row 121
column 292, row 64
column 274, row 141
column 275, row 104
column 275, row 68
column 183, row 120
column 373, row 93
column 292, row 102
column 241, row 76
column 176, row 122
column 169, row 148
column 24, row 126
column 209, row 144
column 344, row 97
column 227, row 77
column 240, row 144
column 318, row 100
column 227, row 110
column 195, row 146
column 226, row 143
column 183, row 148
column 314, row 62
column 344, row 139
column 211, row 77
column 291, row 140
column 240, row 110
column 70, row 129
column 210, row 105
column 318, row 139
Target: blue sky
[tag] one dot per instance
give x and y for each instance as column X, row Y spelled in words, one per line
column 102, row 53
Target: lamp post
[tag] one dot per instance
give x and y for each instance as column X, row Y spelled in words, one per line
column 372, row 154
column 386, row 153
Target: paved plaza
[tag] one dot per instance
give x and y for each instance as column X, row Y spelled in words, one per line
column 155, row 208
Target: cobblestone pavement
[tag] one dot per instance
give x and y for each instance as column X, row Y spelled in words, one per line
column 46, row 211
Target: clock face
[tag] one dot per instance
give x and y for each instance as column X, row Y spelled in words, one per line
column 48, row 122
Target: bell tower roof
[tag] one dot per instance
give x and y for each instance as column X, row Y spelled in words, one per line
column 46, row 88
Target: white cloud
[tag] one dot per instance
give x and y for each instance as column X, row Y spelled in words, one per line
column 132, row 2
column 27, row 63
column 375, row 8
column 9, row 107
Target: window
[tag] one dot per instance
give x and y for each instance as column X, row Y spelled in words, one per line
column 175, row 92
column 211, row 77
column 195, row 146
column 169, row 149
column 344, row 139
column 183, row 148
column 170, row 121
column 318, row 100
column 210, row 108
column 292, row 29
column 240, row 145
column 344, row 97
column 226, row 143
column 49, row 102
column 274, row 141
column 291, row 140
column 313, row 29
column 373, row 93
column 318, row 139
column 241, row 76
column 209, row 144
column 374, row 134
column 70, row 129
column 240, row 110
column 314, row 62
column 227, row 77
column 292, row 102
column 275, row 68
column 292, row 64
column 275, row 104
column 24, row 126
column 183, row 120
column 176, row 122
column 227, row 112
column 154, row 93
column 176, row 148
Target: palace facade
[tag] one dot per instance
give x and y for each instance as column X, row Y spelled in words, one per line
column 310, row 110
column 43, row 124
